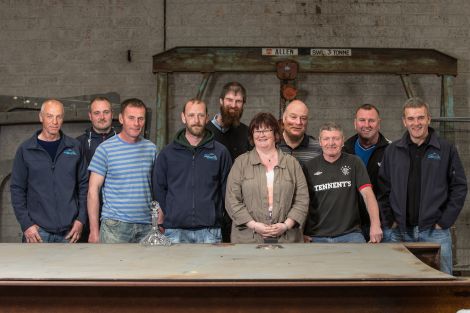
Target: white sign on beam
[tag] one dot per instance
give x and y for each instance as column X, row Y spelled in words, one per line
column 330, row 52
column 280, row 51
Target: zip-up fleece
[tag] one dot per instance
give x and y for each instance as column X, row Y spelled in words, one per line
column 90, row 140
column 46, row 192
column 443, row 183
column 373, row 167
column 189, row 182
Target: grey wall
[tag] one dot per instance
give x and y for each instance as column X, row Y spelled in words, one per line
column 63, row 48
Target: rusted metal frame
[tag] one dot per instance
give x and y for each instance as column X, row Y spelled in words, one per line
column 408, row 85
column 250, row 59
column 161, row 112
column 203, row 85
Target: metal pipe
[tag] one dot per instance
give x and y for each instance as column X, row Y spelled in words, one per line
column 408, row 85
column 203, row 85
column 161, row 111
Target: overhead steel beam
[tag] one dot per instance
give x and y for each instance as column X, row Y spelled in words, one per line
column 251, row 59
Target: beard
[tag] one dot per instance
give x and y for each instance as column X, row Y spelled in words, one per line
column 230, row 116
column 196, row 130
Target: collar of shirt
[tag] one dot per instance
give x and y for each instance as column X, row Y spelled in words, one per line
column 216, row 124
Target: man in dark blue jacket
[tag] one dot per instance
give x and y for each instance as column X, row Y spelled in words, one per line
column 101, row 118
column 189, row 178
column 424, row 184
column 49, row 182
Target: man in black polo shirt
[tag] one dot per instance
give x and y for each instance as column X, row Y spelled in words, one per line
column 229, row 131
column 294, row 141
column 424, row 184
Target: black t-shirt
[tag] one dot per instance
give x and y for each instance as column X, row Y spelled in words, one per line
column 333, row 187
column 50, row 146
column 413, row 196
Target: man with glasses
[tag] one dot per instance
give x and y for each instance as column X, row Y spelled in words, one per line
column 189, row 179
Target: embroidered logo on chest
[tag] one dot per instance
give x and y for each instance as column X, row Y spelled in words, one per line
column 434, row 156
column 345, row 169
column 210, row 156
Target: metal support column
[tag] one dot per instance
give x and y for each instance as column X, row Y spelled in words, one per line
column 203, row 85
column 162, row 110
column 447, row 106
column 406, row 80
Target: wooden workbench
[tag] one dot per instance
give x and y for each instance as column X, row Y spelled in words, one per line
column 223, row 278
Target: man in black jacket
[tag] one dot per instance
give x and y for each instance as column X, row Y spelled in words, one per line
column 369, row 145
column 101, row 117
column 424, row 184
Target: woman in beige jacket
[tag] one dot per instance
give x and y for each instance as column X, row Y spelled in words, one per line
column 267, row 195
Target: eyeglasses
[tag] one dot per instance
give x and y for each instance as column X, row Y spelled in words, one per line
column 262, row 131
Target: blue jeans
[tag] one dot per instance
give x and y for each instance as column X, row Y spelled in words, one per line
column 48, row 237
column 114, row 231
column 203, row 235
column 441, row 236
column 354, row 237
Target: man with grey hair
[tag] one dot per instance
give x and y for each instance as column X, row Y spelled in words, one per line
column 49, row 182
column 424, row 184
column 334, row 179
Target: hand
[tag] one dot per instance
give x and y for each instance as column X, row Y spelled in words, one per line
column 94, row 237
column 161, row 218
column 375, row 234
column 276, row 230
column 437, row 226
column 262, row 229
column 75, row 233
column 32, row 234
column 307, row 239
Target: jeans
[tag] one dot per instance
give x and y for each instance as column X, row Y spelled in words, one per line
column 441, row 236
column 114, row 231
column 354, row 237
column 48, row 237
column 203, row 235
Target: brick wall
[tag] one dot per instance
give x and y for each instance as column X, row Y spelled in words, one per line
column 63, row 48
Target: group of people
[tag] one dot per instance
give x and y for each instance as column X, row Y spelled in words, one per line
column 220, row 180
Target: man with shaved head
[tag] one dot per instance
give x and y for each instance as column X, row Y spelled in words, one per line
column 294, row 141
column 49, row 182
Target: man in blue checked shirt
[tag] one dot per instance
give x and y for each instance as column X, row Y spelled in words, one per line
column 189, row 180
column 122, row 166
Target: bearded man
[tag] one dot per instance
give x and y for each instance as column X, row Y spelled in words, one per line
column 226, row 125
column 229, row 131
column 189, row 179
